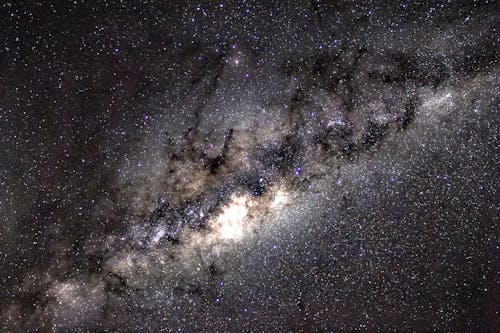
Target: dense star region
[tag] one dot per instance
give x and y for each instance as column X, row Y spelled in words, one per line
column 249, row 166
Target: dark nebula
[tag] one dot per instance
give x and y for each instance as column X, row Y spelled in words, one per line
column 249, row 166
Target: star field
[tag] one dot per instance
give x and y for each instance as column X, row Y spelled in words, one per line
column 249, row 166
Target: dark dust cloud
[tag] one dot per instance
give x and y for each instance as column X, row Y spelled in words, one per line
column 249, row 166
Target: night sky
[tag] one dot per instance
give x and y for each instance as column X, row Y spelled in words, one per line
column 249, row 166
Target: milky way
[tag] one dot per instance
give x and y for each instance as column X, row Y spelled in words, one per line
column 244, row 166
